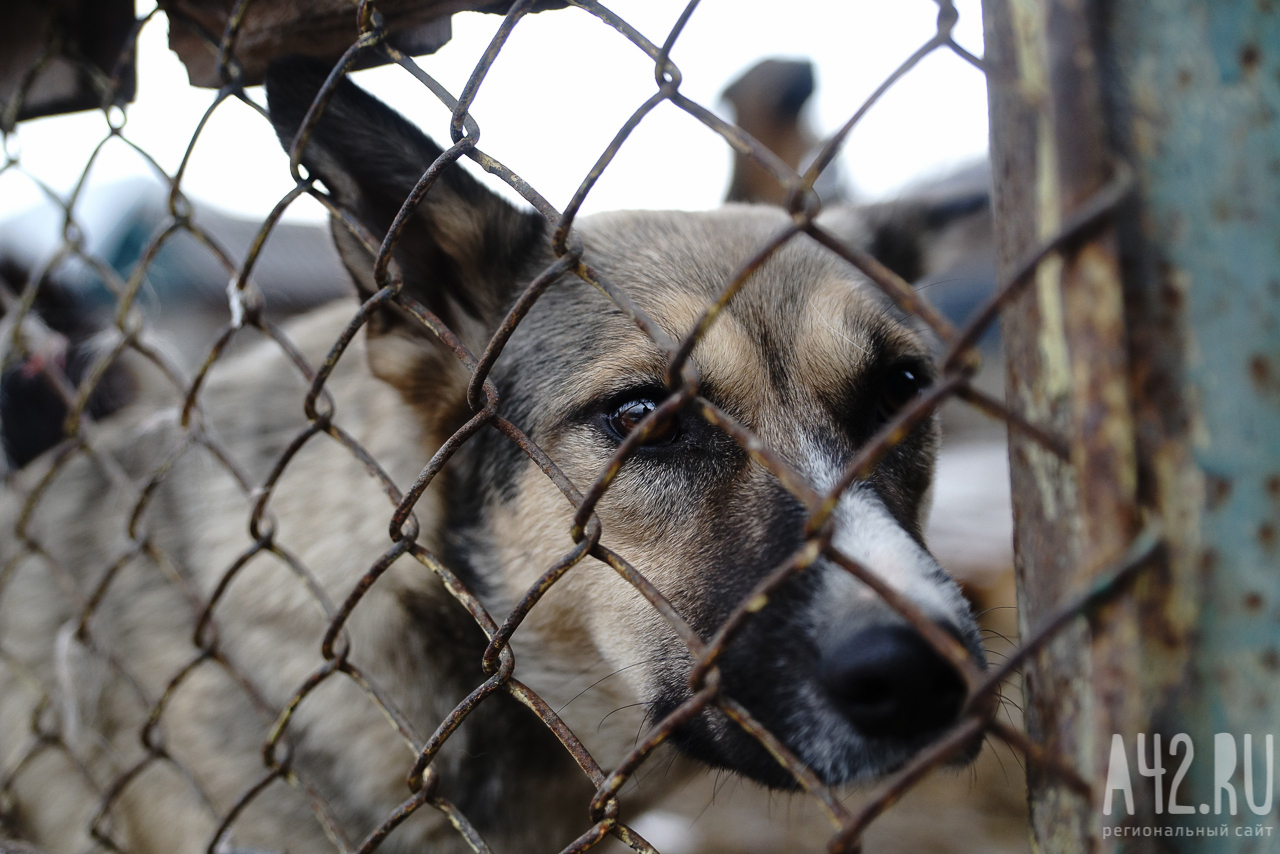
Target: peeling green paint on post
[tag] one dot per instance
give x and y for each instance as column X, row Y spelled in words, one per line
column 1202, row 120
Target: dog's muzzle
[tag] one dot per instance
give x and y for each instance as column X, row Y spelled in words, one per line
column 889, row 682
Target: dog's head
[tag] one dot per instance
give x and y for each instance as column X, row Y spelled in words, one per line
column 805, row 356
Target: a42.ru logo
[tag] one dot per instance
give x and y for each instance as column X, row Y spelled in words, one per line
column 1150, row 760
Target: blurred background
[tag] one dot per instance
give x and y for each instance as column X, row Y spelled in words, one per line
column 551, row 103
column 561, row 87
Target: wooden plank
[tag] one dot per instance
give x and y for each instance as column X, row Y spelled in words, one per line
column 1068, row 373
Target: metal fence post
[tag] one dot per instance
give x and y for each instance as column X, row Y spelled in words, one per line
column 1150, row 340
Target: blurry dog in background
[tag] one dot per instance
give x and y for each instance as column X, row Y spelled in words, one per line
column 768, row 102
column 59, row 340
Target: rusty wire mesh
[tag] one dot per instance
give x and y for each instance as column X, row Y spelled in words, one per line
column 332, row 662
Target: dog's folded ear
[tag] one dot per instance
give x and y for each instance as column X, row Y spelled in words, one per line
column 904, row 233
column 464, row 247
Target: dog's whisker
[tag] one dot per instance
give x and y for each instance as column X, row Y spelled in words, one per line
column 1000, row 635
column 639, row 729
column 973, row 778
column 602, row 679
column 1013, row 751
column 711, row 799
column 826, row 322
column 1004, row 699
column 973, row 280
column 615, row 711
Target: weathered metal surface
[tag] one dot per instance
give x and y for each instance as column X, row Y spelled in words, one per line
column 1201, row 124
column 1152, row 345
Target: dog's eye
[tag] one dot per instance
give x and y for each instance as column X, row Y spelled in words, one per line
column 628, row 416
column 901, row 386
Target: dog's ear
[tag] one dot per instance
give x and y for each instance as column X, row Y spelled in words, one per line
column 462, row 250
column 925, row 231
column 902, row 234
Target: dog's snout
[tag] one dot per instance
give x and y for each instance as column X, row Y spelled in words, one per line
column 890, row 682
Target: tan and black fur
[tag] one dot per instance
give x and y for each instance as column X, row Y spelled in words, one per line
column 806, row 356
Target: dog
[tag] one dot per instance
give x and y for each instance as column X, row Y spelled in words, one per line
column 60, row 339
column 807, row 356
column 768, row 100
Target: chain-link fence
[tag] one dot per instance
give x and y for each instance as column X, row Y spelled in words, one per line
column 48, row 727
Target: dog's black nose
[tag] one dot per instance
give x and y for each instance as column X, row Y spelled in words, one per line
column 890, row 682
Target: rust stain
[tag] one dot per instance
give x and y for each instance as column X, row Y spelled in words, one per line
column 1271, row 659
column 1208, row 562
column 1250, row 57
column 1262, row 373
column 1218, row 490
